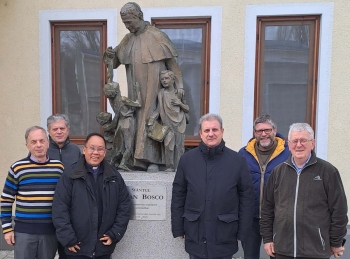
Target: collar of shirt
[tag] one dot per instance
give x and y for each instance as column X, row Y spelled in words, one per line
column 94, row 170
column 37, row 161
column 300, row 168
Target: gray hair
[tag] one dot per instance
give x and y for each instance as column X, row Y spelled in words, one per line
column 298, row 127
column 210, row 117
column 32, row 128
column 265, row 118
column 57, row 117
column 132, row 8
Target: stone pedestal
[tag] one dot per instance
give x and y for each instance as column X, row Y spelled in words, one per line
column 148, row 239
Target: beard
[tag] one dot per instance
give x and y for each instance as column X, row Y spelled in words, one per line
column 266, row 144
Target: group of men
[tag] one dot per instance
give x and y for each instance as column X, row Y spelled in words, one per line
column 86, row 208
column 273, row 190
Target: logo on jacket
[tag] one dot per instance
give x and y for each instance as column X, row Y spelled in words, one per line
column 317, row 178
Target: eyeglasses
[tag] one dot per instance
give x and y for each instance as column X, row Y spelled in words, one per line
column 259, row 132
column 93, row 149
column 302, row 141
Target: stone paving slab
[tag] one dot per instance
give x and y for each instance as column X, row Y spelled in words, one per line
column 9, row 255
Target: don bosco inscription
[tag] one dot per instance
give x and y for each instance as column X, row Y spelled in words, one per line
column 148, row 203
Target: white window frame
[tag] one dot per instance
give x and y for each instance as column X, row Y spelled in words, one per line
column 324, row 65
column 45, row 17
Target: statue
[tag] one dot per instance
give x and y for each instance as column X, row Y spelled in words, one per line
column 124, row 124
column 122, row 127
column 105, row 120
column 173, row 113
column 145, row 51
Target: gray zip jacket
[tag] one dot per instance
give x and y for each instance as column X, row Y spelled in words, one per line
column 304, row 215
column 68, row 154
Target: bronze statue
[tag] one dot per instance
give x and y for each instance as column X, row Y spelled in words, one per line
column 145, row 51
column 105, row 120
column 124, row 124
column 172, row 110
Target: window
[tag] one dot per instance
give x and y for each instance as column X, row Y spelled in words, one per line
column 78, row 74
column 191, row 37
column 286, row 69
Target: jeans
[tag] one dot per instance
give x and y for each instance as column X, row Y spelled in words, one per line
column 251, row 246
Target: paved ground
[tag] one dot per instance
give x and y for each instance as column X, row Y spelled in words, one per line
column 9, row 255
column 6, row 254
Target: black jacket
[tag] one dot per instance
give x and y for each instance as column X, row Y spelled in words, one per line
column 75, row 210
column 212, row 201
column 304, row 215
column 69, row 154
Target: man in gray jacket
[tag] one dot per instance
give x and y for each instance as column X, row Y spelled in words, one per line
column 304, row 211
column 61, row 148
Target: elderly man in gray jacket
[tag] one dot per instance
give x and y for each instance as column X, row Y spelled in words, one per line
column 304, row 211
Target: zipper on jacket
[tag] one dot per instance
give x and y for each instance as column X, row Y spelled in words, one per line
column 322, row 240
column 262, row 175
column 295, row 204
column 262, row 180
column 295, row 216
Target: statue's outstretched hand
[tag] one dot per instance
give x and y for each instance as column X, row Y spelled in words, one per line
column 109, row 55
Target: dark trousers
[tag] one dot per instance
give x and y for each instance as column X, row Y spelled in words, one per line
column 61, row 253
column 251, row 246
column 196, row 257
column 86, row 257
column 278, row 256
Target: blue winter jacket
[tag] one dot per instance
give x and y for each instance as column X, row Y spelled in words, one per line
column 280, row 154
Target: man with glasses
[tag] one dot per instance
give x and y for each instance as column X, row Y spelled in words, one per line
column 263, row 153
column 304, row 211
column 91, row 206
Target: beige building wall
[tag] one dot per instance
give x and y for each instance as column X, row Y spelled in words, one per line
column 20, row 71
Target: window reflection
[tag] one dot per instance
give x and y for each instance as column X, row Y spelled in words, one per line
column 188, row 43
column 80, row 77
column 285, row 74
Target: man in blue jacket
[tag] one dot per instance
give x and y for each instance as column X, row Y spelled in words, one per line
column 212, row 198
column 263, row 153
